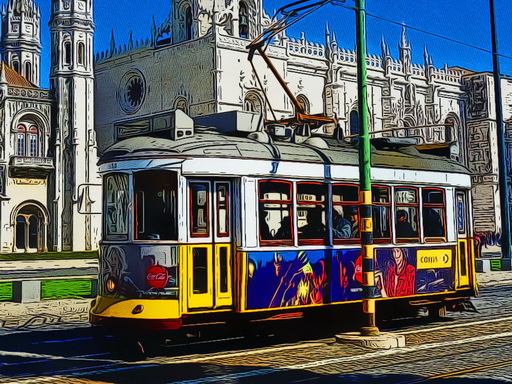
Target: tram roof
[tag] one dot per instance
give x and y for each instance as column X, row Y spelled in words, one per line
column 218, row 145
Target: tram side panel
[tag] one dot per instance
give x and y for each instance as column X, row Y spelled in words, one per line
column 273, row 278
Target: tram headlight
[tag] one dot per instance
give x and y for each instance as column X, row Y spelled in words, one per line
column 110, row 285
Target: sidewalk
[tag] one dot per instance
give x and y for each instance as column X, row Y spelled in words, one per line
column 486, row 279
column 34, row 269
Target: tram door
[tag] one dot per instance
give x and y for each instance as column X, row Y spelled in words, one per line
column 463, row 244
column 209, row 257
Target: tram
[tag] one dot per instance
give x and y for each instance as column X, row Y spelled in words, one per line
column 217, row 220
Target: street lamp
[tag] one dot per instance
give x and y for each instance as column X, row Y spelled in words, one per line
column 502, row 148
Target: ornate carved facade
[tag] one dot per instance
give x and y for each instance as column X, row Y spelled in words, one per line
column 198, row 59
column 47, row 141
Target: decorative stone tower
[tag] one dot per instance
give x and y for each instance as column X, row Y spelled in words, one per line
column 190, row 19
column 76, row 227
column 405, row 53
column 21, row 42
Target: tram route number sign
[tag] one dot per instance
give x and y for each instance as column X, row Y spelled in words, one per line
column 157, row 276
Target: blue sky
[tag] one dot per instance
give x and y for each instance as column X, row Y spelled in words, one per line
column 466, row 21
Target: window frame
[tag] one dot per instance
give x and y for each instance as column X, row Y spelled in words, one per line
column 207, row 218
column 416, row 205
column 225, row 204
column 290, row 205
column 424, row 205
column 27, row 134
column 351, row 203
column 384, row 240
column 325, row 203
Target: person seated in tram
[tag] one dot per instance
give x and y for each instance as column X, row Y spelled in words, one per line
column 345, row 228
column 284, row 231
column 403, row 227
column 432, row 222
column 315, row 228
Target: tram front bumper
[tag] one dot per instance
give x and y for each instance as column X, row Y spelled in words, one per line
column 137, row 313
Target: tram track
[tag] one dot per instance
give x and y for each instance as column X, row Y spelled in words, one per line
column 254, row 361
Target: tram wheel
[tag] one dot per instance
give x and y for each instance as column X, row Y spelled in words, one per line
column 437, row 311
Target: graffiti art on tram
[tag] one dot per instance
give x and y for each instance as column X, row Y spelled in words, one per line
column 347, row 275
column 409, row 271
column 282, row 279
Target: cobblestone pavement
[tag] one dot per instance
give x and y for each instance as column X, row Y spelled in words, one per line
column 431, row 352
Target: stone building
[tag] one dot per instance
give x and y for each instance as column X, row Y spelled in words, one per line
column 47, row 147
column 197, row 61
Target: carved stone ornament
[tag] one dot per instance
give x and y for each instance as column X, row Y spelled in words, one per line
column 132, row 91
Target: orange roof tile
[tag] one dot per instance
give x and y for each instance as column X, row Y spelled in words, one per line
column 15, row 79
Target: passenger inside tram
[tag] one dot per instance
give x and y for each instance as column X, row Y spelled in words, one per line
column 315, row 227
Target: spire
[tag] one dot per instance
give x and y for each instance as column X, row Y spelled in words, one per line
column 112, row 43
column 405, row 53
column 153, row 32
column 327, row 41
column 404, row 43
column 427, row 58
column 3, row 77
column 384, row 48
column 130, row 41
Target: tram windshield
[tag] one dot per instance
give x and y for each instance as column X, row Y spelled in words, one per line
column 155, row 205
column 115, row 198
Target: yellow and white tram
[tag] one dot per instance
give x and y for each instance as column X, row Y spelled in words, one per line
column 221, row 225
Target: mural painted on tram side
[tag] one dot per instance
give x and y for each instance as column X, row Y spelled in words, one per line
column 409, row 271
column 347, row 275
column 282, row 279
column 290, row 278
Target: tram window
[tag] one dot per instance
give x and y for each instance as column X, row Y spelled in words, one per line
column 381, row 209
column 311, row 213
column 275, row 212
column 222, row 192
column 345, row 211
column 461, row 215
column 199, row 204
column 200, row 270
column 115, row 200
column 406, row 214
column 434, row 222
column 155, row 205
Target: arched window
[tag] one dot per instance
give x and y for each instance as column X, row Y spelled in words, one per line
column 20, row 140
column 450, row 126
column 188, row 23
column 304, row 103
column 28, row 71
column 30, row 229
column 253, row 103
column 28, row 140
column 243, row 20
column 354, row 123
column 81, row 53
column 67, row 53
column 16, row 66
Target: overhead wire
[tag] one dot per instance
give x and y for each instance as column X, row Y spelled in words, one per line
column 426, row 32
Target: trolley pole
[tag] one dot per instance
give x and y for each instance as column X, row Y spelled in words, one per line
column 502, row 146
column 365, row 197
